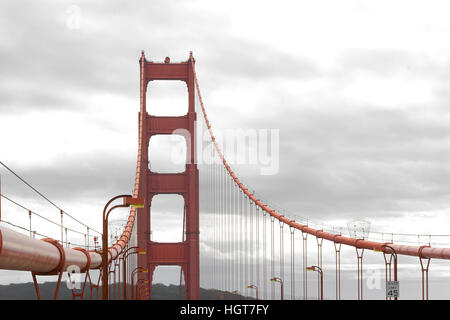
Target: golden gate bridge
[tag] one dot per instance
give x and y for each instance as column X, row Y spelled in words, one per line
column 242, row 230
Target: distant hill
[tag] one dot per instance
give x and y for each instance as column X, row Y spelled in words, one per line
column 26, row 291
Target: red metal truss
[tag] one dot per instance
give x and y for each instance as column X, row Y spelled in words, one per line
column 186, row 253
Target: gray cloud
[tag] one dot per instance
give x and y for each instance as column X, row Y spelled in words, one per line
column 60, row 67
column 388, row 62
column 344, row 162
column 70, row 178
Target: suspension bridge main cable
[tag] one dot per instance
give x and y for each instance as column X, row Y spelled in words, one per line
column 425, row 252
column 47, row 199
column 39, row 215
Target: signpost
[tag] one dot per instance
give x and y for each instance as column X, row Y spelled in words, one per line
column 392, row 289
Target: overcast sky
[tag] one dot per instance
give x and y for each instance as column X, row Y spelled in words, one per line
column 358, row 91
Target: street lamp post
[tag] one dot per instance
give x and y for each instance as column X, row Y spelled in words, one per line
column 276, row 279
column 252, row 286
column 128, row 200
column 136, row 270
column 316, row 268
column 124, row 258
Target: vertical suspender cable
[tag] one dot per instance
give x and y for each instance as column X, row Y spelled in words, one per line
column 246, row 246
column 29, row 215
column 214, row 223
column 264, row 256
column 272, row 258
column 62, row 227
column 234, row 273
column 227, row 203
column 243, row 252
column 282, row 251
column 239, row 240
column 87, row 238
column 257, row 247
column 222, row 226
column 252, row 247
column 230, row 235
column 337, row 248
column 217, row 228
column 236, row 238
column 319, row 264
column 292, row 264
column 226, row 228
column 305, row 264
column 359, row 256
column 224, row 216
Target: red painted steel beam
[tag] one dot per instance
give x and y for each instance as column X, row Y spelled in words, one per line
column 21, row 252
column 185, row 254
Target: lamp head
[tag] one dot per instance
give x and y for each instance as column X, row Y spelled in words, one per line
column 134, row 202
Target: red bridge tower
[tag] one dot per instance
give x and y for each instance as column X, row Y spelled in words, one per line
column 186, row 253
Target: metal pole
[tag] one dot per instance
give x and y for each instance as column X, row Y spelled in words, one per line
column 319, row 256
column 124, row 258
column 105, row 251
column 321, row 283
column 320, row 286
column 282, row 289
column 256, row 290
column 425, row 270
column 292, row 264
column 124, row 277
column 393, row 255
column 105, row 281
column 305, row 263
column 88, row 238
column 272, row 259
column 62, row 228
column 132, row 287
column 29, row 215
column 337, row 248
column 135, row 271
